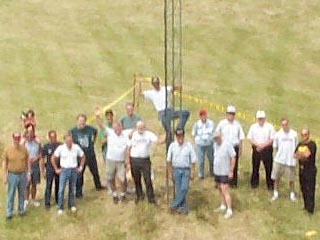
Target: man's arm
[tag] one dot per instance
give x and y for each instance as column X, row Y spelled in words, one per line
column 140, row 91
column 5, row 168
column 232, row 164
column 128, row 162
column 82, row 162
column 169, row 169
column 97, row 112
column 192, row 171
column 54, row 164
column 42, row 165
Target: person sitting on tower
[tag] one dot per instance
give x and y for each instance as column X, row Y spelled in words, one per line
column 158, row 96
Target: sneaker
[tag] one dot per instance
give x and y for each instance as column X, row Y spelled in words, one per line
column 115, row 199
column 274, row 198
column 293, row 198
column 25, row 204
column 222, row 208
column 60, row 212
column 35, row 203
column 122, row 199
column 73, row 209
column 228, row 214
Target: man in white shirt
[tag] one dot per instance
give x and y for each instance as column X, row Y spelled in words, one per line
column 261, row 135
column 232, row 132
column 157, row 96
column 138, row 160
column 68, row 153
column 224, row 161
column 202, row 132
column 285, row 142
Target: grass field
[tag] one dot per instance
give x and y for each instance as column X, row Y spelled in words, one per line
column 65, row 57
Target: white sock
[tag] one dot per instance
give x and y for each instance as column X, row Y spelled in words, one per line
column 122, row 194
column 114, row 194
column 275, row 193
column 229, row 210
column 223, row 207
column 292, row 194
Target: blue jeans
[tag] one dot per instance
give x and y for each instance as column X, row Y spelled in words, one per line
column 181, row 181
column 50, row 175
column 201, row 151
column 16, row 181
column 67, row 174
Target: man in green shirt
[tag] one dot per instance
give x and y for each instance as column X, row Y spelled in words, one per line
column 130, row 120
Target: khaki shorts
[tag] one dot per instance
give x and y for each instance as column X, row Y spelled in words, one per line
column 280, row 169
column 115, row 169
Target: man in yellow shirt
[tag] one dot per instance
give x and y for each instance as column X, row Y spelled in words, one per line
column 16, row 173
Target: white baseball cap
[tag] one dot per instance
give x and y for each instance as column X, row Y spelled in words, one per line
column 260, row 114
column 231, row 109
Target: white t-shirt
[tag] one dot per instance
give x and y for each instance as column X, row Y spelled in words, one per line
column 261, row 134
column 158, row 98
column 68, row 157
column 140, row 144
column 231, row 132
column 285, row 143
column 222, row 155
column 117, row 144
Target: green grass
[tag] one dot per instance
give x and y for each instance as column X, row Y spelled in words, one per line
column 65, row 57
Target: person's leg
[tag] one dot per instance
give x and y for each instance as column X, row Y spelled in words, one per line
column 200, row 157
column 62, row 185
column 93, row 167
column 166, row 119
column 291, row 173
column 234, row 180
column 146, row 171
column 12, row 182
column 268, row 162
column 209, row 150
column 177, row 175
column 184, row 190
column 223, row 204
column 227, row 197
column 49, row 180
column 56, row 186
column 79, row 184
column 136, row 174
column 21, row 193
column 310, row 185
column 255, row 168
column 303, row 186
column 183, row 116
column 277, row 172
column 72, row 186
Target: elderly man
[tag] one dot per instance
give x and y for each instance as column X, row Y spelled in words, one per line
column 16, row 173
column 116, row 156
column 130, row 120
column 181, row 161
column 261, row 135
column 285, row 142
column 34, row 151
column 232, row 132
column 306, row 154
column 85, row 136
column 50, row 175
column 158, row 96
column 138, row 160
column 68, row 170
column 202, row 132
column 224, row 161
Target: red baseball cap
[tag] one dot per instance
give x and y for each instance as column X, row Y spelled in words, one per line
column 202, row 112
column 16, row 135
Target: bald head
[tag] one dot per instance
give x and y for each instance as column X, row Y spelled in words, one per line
column 117, row 127
column 140, row 126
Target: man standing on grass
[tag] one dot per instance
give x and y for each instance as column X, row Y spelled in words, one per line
column 181, row 161
column 224, row 161
column 109, row 121
column 16, row 173
column 85, row 136
column 50, row 175
column 202, row 132
column 232, row 132
column 138, row 160
column 130, row 120
column 306, row 154
column 115, row 158
column 69, row 169
column 34, row 151
column 285, row 142
column 157, row 96
column 261, row 135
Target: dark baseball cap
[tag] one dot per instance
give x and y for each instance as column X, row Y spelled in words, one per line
column 179, row 131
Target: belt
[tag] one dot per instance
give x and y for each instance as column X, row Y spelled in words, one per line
column 16, row 173
column 182, row 168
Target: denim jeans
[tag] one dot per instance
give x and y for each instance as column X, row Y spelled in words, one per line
column 201, row 151
column 16, row 181
column 166, row 117
column 51, row 175
column 67, row 174
column 181, row 181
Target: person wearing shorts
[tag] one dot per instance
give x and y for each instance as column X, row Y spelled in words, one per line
column 223, row 166
column 285, row 143
column 34, row 151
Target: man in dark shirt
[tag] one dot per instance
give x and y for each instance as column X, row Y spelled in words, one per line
column 85, row 136
column 306, row 154
column 47, row 151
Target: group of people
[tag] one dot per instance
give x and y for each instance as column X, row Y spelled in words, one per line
column 126, row 151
